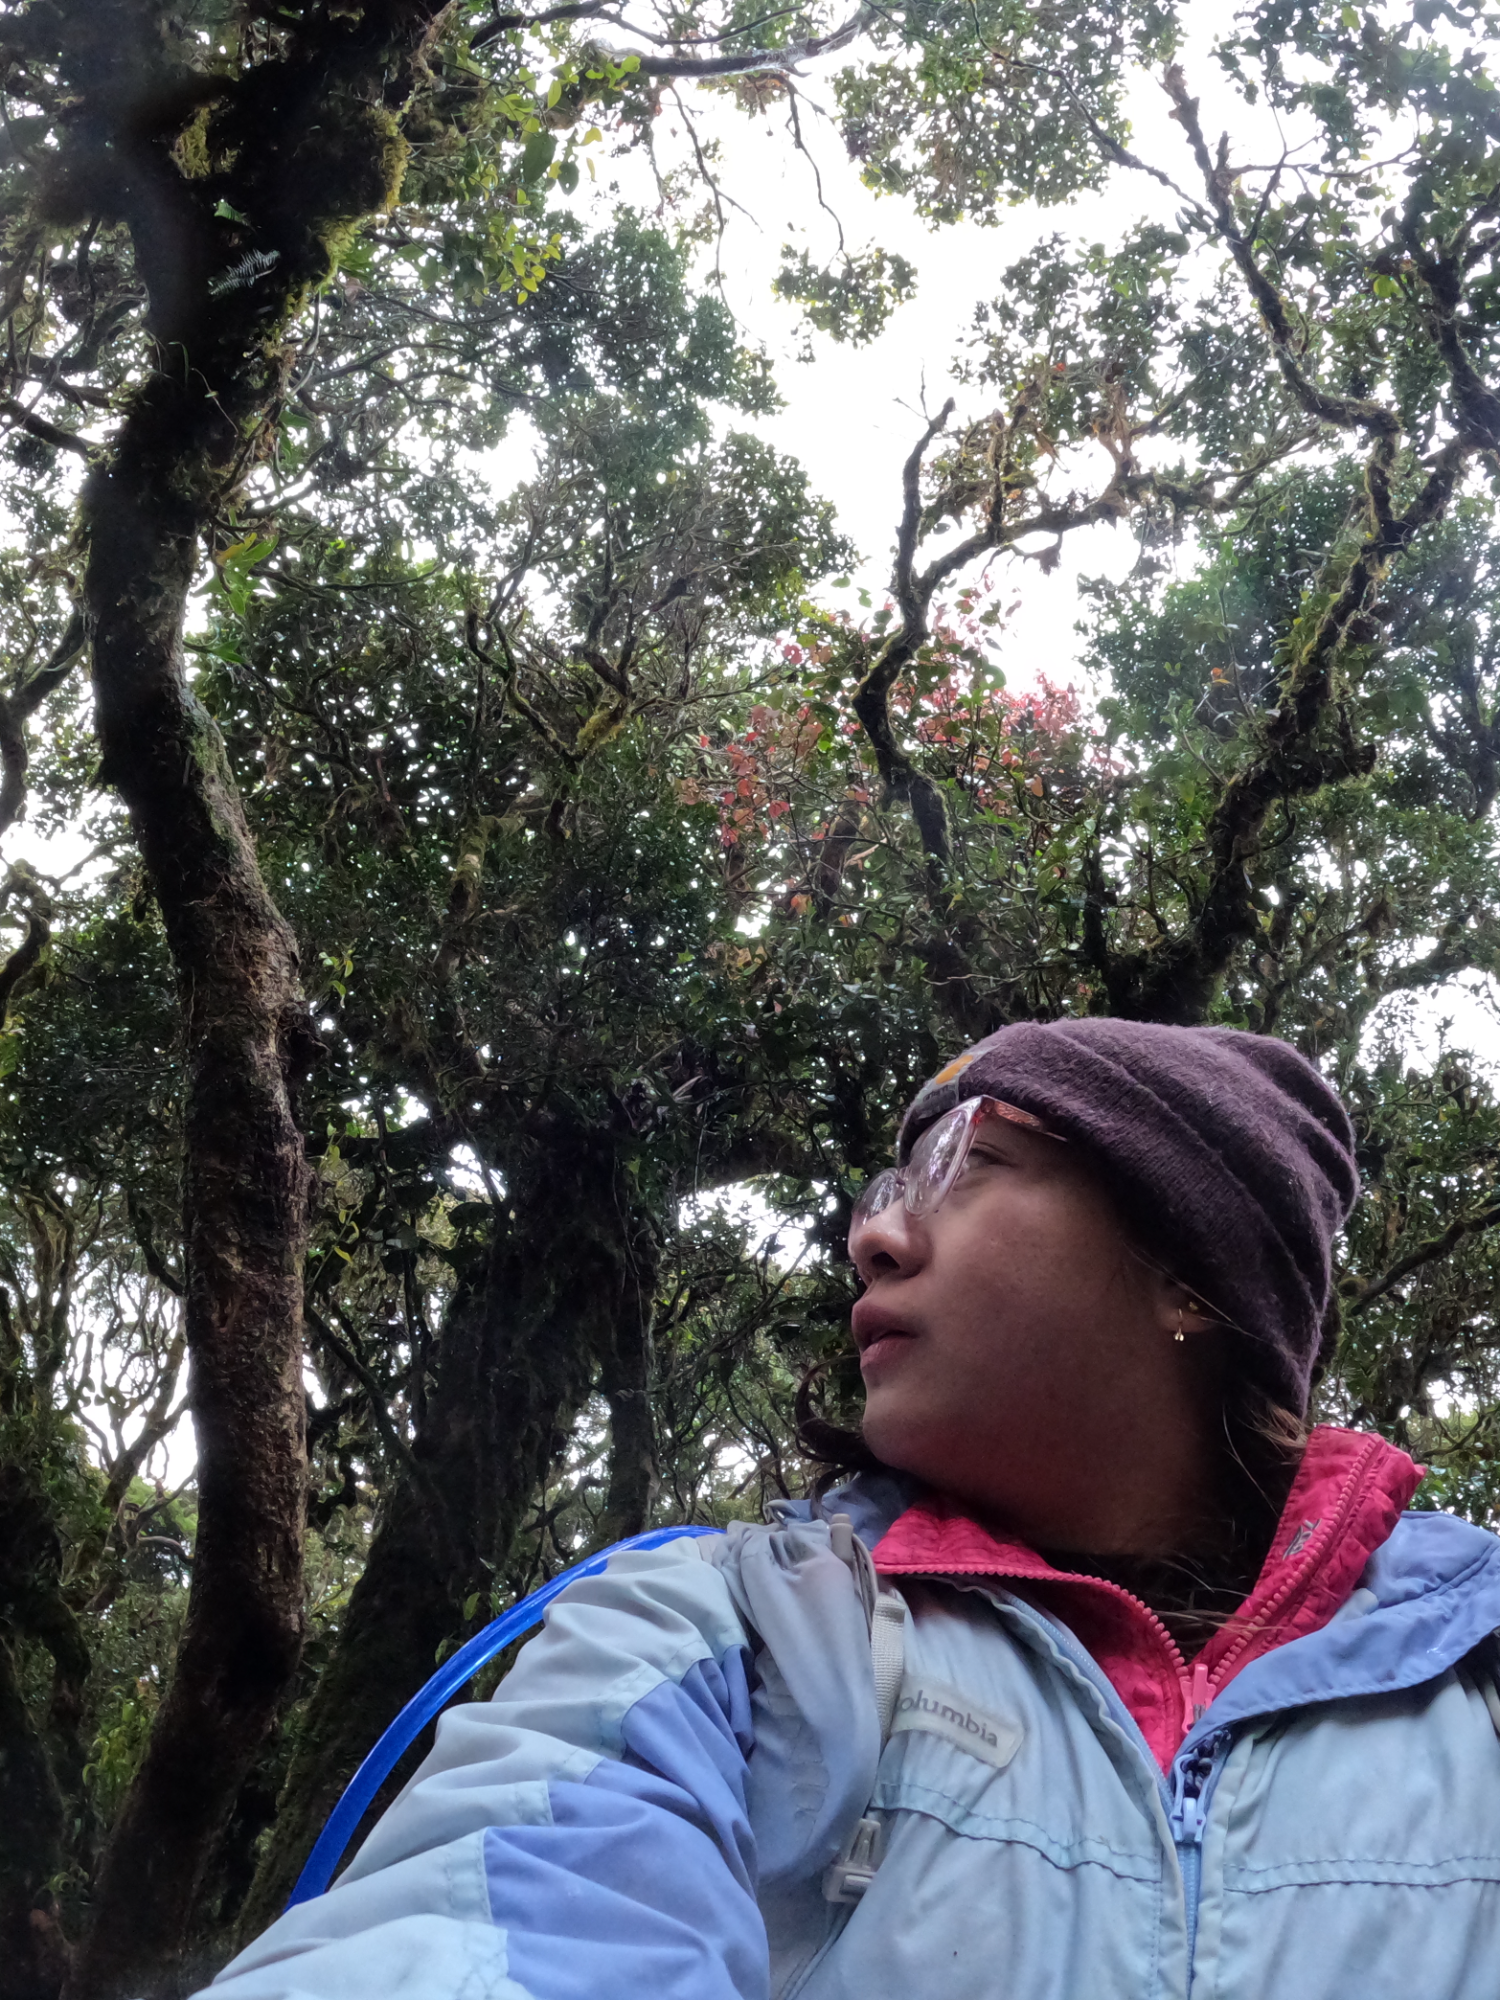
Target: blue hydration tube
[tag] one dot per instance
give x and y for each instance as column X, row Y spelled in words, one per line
column 439, row 1691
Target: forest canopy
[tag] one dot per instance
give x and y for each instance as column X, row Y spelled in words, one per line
column 466, row 826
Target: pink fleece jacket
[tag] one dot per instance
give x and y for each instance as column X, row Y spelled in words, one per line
column 1344, row 1502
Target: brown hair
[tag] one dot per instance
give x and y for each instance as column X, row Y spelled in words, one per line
column 835, row 1450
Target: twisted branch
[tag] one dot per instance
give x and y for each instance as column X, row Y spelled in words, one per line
column 1430, row 1252
column 14, row 710
column 1346, row 412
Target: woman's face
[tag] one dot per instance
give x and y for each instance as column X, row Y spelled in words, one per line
column 1017, row 1354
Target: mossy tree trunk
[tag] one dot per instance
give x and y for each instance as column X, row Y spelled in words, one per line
column 245, row 1215
column 626, row 1380
column 235, row 188
column 36, row 1765
column 32, row 1825
column 519, row 1354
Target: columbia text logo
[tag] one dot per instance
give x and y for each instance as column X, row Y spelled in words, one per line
column 937, row 1708
column 956, row 1718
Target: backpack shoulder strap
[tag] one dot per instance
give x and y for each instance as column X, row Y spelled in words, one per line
column 888, row 1655
column 846, row 1879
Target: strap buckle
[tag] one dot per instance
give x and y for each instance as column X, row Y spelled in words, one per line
column 846, row 1880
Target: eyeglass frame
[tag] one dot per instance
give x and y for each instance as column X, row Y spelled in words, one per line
column 925, row 1197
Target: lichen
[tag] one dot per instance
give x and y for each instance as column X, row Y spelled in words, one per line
column 190, row 152
column 606, row 722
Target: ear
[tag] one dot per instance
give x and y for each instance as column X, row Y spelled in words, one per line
column 1180, row 1311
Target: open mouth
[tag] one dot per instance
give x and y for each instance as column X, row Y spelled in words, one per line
column 877, row 1338
column 877, row 1333
column 882, row 1347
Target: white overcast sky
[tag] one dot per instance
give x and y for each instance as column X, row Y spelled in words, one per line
column 852, row 414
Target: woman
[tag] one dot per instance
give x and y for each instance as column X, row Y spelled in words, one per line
column 1124, row 1684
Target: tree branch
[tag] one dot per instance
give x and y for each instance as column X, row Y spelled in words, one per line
column 38, row 427
column 1425, row 1253
column 1347, row 412
column 375, row 1401
column 1175, row 981
column 17, row 706
column 22, row 963
column 777, row 62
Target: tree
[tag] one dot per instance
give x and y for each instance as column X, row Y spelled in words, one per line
column 506, row 873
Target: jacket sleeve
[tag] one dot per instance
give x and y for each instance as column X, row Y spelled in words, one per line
column 584, row 1835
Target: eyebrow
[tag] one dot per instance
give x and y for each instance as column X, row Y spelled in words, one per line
column 992, row 1132
column 1004, row 1135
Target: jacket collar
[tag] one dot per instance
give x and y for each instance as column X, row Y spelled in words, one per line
column 1349, row 1493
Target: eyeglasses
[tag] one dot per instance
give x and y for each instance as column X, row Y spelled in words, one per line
column 937, row 1160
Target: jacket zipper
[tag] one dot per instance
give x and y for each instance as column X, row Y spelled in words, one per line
column 1185, row 1799
column 1199, row 1687
column 1188, row 1811
column 1196, row 1688
column 1196, row 1772
column 1187, row 1802
column 1189, row 1816
column 1330, row 1532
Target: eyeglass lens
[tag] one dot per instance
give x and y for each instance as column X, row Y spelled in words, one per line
column 937, row 1157
column 926, row 1177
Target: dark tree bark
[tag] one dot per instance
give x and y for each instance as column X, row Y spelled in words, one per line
column 35, row 1764
column 300, row 146
column 32, row 1819
column 518, row 1356
column 245, row 1213
column 626, row 1380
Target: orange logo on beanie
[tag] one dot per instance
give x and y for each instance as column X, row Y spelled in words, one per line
column 956, row 1068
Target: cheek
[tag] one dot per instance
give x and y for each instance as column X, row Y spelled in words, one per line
column 1034, row 1291
column 1028, row 1260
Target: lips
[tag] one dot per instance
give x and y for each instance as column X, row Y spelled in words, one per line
column 877, row 1333
column 889, row 1347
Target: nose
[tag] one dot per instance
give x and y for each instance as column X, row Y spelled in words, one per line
column 891, row 1244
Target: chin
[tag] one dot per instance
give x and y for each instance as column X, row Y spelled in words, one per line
column 903, row 1443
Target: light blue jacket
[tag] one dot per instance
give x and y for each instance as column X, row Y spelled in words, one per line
column 647, row 1808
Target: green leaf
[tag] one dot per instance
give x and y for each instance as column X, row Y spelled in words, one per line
column 237, row 565
column 536, row 155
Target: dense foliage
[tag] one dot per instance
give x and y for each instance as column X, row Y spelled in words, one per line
column 482, row 882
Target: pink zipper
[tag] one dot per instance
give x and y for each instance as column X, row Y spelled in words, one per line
column 1198, row 1699
column 1329, row 1533
column 1199, row 1688
column 1190, row 1685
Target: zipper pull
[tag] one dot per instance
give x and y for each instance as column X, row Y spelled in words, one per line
column 1195, row 1697
column 1188, row 1814
column 1187, row 1818
column 1200, row 1691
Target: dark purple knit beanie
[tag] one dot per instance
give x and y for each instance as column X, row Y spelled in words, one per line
column 1227, row 1153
